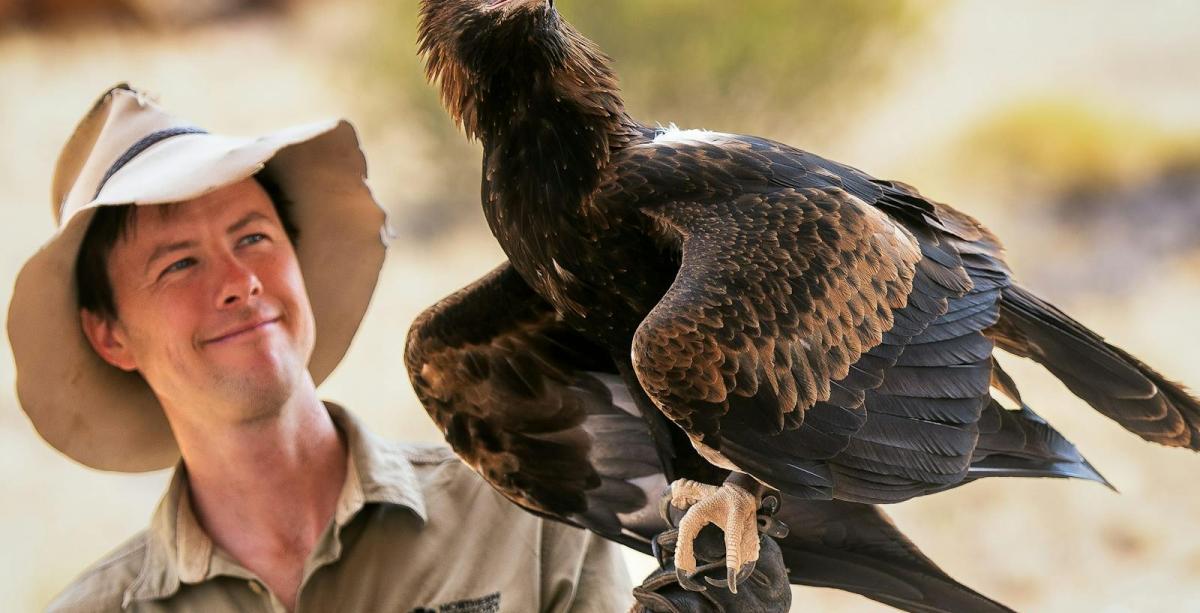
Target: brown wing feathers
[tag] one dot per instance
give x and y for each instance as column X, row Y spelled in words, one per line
column 519, row 400
column 778, row 293
column 834, row 429
column 922, row 427
column 495, row 371
column 764, row 270
column 826, row 239
column 917, row 438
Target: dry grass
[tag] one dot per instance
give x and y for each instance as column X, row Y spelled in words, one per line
column 1041, row 546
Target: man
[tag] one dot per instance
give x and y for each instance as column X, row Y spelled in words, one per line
column 197, row 291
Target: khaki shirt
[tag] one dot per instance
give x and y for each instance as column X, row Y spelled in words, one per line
column 415, row 531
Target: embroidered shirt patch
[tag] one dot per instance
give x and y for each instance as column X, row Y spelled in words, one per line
column 484, row 604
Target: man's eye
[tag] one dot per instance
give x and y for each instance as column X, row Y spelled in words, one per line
column 250, row 239
column 179, row 265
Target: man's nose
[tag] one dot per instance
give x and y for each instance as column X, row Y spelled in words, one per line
column 238, row 283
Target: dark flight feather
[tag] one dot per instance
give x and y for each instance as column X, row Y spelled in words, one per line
column 1115, row 383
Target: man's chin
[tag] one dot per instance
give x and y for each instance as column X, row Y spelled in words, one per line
column 258, row 392
column 260, row 364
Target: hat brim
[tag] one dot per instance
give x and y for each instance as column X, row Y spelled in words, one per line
column 109, row 419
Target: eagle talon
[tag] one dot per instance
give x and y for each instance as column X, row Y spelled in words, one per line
column 730, row 507
column 686, row 581
column 730, row 581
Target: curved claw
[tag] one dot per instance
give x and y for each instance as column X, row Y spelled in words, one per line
column 742, row 575
column 732, row 581
column 686, row 582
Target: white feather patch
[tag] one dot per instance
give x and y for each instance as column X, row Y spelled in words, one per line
column 672, row 134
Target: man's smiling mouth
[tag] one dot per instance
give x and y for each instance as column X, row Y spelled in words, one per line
column 242, row 331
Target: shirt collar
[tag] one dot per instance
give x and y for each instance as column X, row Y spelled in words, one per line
column 379, row 469
column 180, row 551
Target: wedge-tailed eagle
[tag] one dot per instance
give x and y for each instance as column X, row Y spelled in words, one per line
column 774, row 321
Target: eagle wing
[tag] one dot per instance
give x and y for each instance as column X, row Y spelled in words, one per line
column 544, row 417
column 801, row 282
column 931, row 418
column 530, row 406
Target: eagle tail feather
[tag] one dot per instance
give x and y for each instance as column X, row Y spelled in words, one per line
column 1108, row 378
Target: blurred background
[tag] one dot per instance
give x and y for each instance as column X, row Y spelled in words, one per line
column 1071, row 128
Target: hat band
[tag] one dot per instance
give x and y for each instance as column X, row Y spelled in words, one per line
column 140, row 146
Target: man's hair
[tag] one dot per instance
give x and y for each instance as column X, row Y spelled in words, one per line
column 111, row 223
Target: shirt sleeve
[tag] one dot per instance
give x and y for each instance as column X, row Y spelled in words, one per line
column 582, row 573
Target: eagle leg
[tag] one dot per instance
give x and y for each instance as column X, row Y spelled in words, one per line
column 732, row 507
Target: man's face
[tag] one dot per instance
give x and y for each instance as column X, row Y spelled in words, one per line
column 211, row 306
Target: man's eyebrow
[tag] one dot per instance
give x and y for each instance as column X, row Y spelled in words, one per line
column 167, row 248
column 245, row 221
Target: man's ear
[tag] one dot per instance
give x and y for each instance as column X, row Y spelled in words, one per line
column 108, row 339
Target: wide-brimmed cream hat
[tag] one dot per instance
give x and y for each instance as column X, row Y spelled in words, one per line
column 127, row 150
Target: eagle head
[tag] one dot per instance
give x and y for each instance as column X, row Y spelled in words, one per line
column 489, row 57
